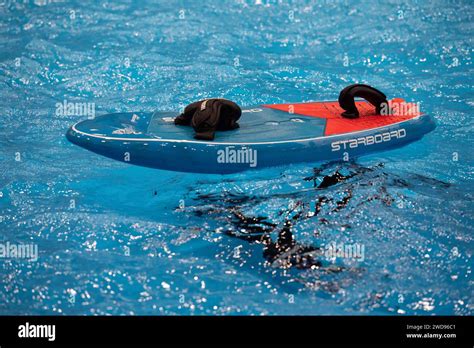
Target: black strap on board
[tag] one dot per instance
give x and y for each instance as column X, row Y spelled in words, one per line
column 372, row 95
column 210, row 115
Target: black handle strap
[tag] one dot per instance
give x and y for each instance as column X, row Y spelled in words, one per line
column 372, row 95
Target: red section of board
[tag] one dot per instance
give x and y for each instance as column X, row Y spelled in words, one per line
column 368, row 119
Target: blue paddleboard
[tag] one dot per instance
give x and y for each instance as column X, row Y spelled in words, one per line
column 269, row 135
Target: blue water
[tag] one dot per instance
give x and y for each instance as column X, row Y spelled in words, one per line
column 118, row 239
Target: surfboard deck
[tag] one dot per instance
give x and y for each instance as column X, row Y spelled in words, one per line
column 269, row 135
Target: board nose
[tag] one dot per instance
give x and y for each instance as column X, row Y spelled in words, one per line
column 122, row 125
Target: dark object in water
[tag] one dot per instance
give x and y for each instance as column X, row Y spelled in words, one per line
column 285, row 252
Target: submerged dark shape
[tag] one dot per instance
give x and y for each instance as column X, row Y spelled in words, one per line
column 285, row 252
column 339, row 190
column 344, row 201
column 330, row 180
column 337, row 177
column 255, row 228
